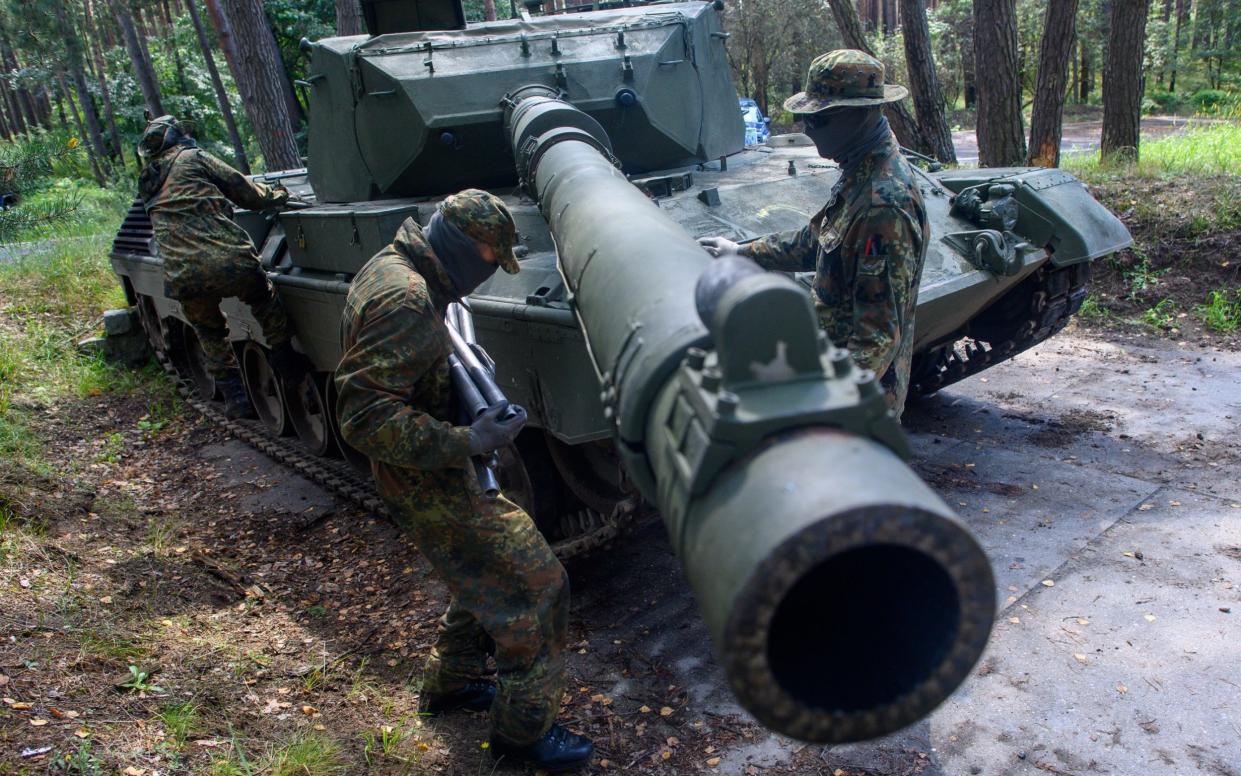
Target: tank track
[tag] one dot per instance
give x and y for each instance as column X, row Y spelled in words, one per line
column 1037, row 308
column 587, row 529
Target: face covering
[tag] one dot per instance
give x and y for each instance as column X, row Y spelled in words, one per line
column 849, row 134
column 458, row 253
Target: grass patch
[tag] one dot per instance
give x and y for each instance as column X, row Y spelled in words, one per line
column 109, row 647
column 1222, row 311
column 1161, row 316
column 1201, row 149
column 305, row 755
column 180, row 719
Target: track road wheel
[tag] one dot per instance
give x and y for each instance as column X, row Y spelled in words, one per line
column 310, row 414
column 266, row 391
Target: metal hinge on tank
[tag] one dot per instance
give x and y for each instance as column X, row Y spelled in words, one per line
column 994, row 247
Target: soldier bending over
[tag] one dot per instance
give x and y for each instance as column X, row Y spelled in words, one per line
column 395, row 405
column 188, row 194
column 868, row 243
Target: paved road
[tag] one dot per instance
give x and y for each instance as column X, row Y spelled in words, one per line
column 1111, row 472
column 1082, row 136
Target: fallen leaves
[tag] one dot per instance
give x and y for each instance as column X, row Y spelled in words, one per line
column 1049, row 583
column 38, row 722
column 666, row 711
column 1121, row 688
column 1149, row 617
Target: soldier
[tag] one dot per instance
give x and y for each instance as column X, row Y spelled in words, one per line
column 207, row 256
column 868, row 243
column 508, row 590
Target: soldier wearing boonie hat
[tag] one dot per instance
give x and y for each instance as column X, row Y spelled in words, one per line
column 868, row 243
column 395, row 405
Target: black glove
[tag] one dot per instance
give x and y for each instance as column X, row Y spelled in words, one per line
column 495, row 428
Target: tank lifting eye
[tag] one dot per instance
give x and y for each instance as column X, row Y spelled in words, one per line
column 626, row 98
column 448, row 139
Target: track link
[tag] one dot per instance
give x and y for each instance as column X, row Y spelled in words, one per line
column 594, row 529
column 1037, row 308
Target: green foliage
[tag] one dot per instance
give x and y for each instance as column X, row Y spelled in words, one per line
column 80, row 762
column 1162, row 315
column 139, row 681
column 1222, row 311
column 26, row 167
column 1211, row 101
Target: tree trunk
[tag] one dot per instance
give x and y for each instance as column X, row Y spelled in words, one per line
column 1122, row 80
column 90, row 153
column 1055, row 51
column 144, row 71
column 21, row 96
column 15, row 113
column 903, row 124
column 349, row 19
column 1176, row 43
column 259, row 76
column 221, row 96
column 1084, row 85
column 1001, row 139
column 73, row 55
column 60, row 112
column 92, row 40
column 4, row 125
column 489, row 10
column 924, row 82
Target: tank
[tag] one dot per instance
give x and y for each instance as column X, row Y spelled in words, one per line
column 660, row 383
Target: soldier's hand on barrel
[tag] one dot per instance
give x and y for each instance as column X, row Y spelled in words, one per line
column 719, row 246
column 496, row 427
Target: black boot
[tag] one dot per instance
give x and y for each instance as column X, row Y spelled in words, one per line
column 558, row 750
column 289, row 364
column 236, row 403
column 475, row 696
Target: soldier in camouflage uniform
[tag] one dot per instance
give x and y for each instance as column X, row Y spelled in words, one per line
column 189, row 194
column 867, row 244
column 509, row 592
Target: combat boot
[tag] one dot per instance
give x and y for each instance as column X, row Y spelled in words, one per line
column 289, row 364
column 475, row 696
column 236, row 402
column 558, row 750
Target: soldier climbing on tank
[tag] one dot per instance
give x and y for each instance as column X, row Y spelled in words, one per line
column 189, row 194
column 867, row 244
column 509, row 593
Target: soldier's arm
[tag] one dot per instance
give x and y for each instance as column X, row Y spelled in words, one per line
column 793, row 251
column 238, row 188
column 393, row 350
column 882, row 246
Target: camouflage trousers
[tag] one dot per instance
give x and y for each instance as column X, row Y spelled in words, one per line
column 201, row 306
column 509, row 592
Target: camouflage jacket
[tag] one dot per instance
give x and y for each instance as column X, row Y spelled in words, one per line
column 866, row 247
column 189, row 195
column 395, row 395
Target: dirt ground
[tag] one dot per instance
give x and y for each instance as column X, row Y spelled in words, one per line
column 269, row 615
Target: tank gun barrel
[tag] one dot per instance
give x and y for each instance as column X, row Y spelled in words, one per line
column 845, row 600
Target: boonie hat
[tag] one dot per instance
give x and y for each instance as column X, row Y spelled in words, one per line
column 483, row 217
column 845, row 78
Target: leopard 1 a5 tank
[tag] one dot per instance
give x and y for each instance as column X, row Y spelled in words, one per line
column 655, row 378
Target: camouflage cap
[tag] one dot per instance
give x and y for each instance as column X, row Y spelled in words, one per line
column 845, row 78
column 159, row 135
column 483, row 217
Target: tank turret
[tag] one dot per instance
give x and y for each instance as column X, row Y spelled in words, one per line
column 412, row 113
